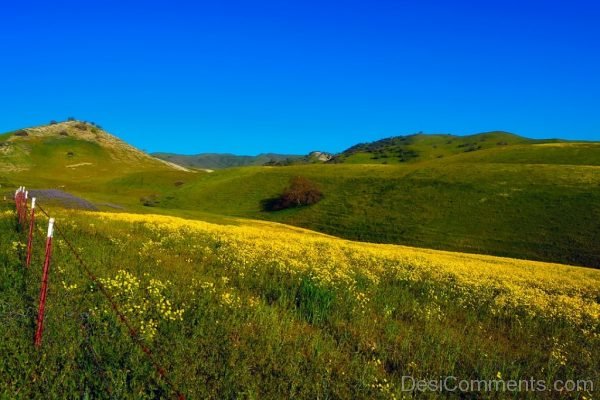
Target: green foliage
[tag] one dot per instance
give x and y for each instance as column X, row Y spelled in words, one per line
column 313, row 301
column 535, row 210
column 421, row 147
column 301, row 192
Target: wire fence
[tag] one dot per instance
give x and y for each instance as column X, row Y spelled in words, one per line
column 28, row 223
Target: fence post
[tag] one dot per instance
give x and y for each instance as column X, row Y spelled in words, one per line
column 25, row 206
column 30, row 239
column 18, row 203
column 44, row 288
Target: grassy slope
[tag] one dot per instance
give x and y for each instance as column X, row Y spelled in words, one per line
column 347, row 322
column 274, row 312
column 485, row 201
column 83, row 164
column 536, row 201
column 426, row 147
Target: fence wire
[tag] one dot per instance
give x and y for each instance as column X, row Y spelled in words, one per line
column 63, row 248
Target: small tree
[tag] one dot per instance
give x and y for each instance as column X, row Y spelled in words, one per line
column 150, row 201
column 300, row 192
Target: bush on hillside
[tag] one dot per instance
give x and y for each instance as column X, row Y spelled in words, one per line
column 301, row 192
column 150, row 201
column 21, row 133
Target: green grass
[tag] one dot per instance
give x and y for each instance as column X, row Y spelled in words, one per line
column 527, row 199
column 422, row 147
column 538, row 211
column 287, row 336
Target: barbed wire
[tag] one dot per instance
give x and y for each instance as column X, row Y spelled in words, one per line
column 87, row 271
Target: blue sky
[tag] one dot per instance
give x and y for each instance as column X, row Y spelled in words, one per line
column 257, row 76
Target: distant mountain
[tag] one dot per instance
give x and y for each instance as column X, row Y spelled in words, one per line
column 219, row 161
column 392, row 150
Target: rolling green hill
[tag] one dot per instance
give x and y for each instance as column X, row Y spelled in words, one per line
column 73, row 150
column 511, row 197
column 232, row 307
column 420, row 147
column 529, row 201
column 82, row 159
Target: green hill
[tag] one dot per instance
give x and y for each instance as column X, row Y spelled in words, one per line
column 528, row 201
column 234, row 308
column 513, row 196
column 420, row 147
column 79, row 158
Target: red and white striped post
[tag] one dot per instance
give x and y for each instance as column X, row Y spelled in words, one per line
column 20, row 199
column 30, row 238
column 44, row 288
column 25, row 206
column 18, row 203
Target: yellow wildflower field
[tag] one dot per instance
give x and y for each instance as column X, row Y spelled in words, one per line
column 263, row 310
column 533, row 288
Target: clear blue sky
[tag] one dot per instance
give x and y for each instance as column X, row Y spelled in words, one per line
column 293, row 76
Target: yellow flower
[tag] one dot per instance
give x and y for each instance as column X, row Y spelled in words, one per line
column 507, row 286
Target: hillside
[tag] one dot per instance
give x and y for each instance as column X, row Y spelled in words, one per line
column 77, row 157
column 520, row 198
column 70, row 147
column 231, row 307
column 527, row 201
column 262, row 310
column 392, row 150
column 422, row 147
column 219, row 160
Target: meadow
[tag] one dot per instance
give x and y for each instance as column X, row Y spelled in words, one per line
column 250, row 309
column 523, row 199
column 478, row 203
